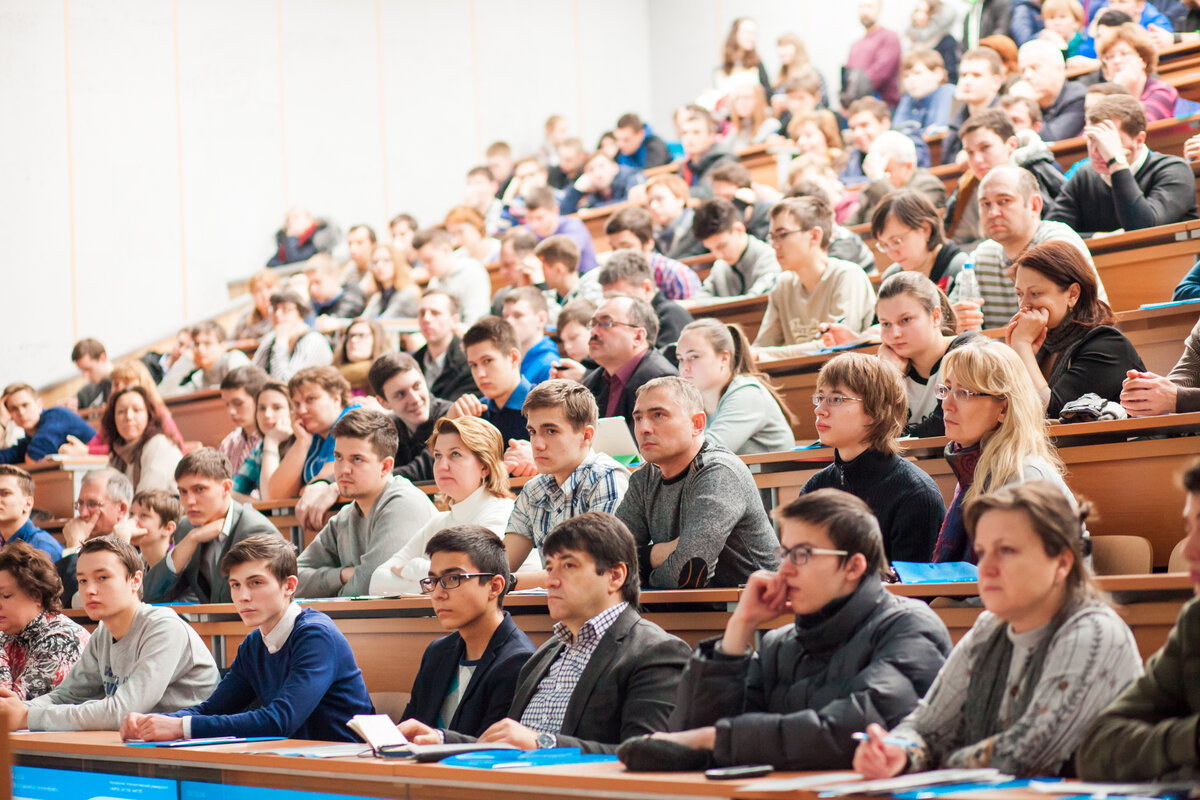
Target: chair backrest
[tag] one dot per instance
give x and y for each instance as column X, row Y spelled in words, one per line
column 1177, row 563
column 1122, row 555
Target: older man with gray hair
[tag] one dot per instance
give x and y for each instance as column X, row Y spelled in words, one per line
column 891, row 164
column 101, row 508
column 628, row 272
column 694, row 510
column 1061, row 101
column 1010, row 210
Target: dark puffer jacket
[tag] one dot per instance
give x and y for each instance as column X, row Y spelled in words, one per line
column 811, row 685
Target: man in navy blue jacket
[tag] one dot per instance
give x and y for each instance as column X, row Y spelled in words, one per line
column 296, row 664
column 46, row 430
column 467, row 679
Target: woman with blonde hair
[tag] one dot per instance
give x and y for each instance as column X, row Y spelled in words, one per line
column 468, row 467
column 997, row 434
column 256, row 322
column 749, row 120
column 127, row 373
column 1042, row 661
column 393, row 292
column 745, row 412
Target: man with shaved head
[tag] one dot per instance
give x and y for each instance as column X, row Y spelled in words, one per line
column 693, row 509
column 1010, row 209
column 1061, row 101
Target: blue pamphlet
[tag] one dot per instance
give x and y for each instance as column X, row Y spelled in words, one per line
column 944, row 572
column 507, row 759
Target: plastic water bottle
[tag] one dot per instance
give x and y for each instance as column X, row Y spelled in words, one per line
column 967, row 287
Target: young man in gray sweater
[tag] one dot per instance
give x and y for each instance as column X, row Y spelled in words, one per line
column 694, row 510
column 140, row 659
column 386, row 510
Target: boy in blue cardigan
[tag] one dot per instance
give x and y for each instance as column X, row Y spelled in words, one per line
column 295, row 663
column 467, row 679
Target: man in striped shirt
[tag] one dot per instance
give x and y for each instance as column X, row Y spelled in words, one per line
column 1010, row 208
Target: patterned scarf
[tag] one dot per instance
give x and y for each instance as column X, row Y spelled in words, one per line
column 952, row 544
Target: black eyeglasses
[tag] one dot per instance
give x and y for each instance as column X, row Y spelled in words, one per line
column 451, row 580
column 779, row 236
column 607, row 324
column 801, row 553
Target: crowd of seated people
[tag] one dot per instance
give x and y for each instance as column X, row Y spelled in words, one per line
column 348, row 382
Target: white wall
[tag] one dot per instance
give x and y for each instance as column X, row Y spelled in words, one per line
column 151, row 146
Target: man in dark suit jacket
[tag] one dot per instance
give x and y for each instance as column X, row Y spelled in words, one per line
column 606, row 674
column 467, row 679
column 442, row 358
column 624, row 330
column 192, row 569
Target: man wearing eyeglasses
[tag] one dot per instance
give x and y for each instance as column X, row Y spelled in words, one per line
column 815, row 293
column 856, row 653
column 621, row 340
column 102, row 508
column 467, row 678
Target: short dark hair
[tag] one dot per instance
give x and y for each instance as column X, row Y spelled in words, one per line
column 872, row 105
column 34, row 573
column 1191, row 477
column 559, row 249
column 126, row 553
column 1126, row 111
column 606, row 540
column 481, row 546
column 523, row 240
column 279, row 553
column 161, row 502
column 579, row 310
column 454, row 304
column 25, row 483
column 375, row 427
column 1110, row 18
column 210, row 326
column 576, row 401
column 984, row 54
column 1010, row 100
column 289, row 295
column 911, row 209
column 848, row 521
column 436, row 235
column 627, row 265
column 809, row 212
column 250, row 378
column 631, row 121
column 531, row 295
column 540, row 197
column 634, row 219
column 715, row 216
column 88, row 347
column 370, row 232
column 992, row 119
column 1106, row 89
column 407, row 219
column 204, row 462
column 388, row 366
column 496, row 330
column 734, row 172
column 330, row 379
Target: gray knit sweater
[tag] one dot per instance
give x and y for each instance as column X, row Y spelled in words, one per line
column 715, row 511
column 160, row 665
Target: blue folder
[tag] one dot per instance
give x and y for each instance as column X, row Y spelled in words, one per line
column 944, row 572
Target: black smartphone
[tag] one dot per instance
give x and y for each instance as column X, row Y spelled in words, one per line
column 733, row 773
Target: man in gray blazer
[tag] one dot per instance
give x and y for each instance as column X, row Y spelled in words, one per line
column 605, row 674
column 191, row 571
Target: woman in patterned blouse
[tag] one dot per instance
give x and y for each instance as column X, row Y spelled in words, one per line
column 38, row 645
column 1047, row 656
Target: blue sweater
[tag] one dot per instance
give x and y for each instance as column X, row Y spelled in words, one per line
column 36, row 537
column 308, row 690
column 53, row 428
column 535, row 365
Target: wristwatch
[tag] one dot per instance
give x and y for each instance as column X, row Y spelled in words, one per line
column 546, row 740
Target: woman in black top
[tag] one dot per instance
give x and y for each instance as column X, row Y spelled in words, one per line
column 1064, row 332
column 908, row 230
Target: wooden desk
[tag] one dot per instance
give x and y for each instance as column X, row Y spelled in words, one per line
column 201, row 416
column 246, row 764
column 56, row 483
column 1139, row 267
